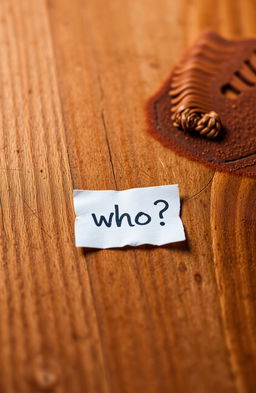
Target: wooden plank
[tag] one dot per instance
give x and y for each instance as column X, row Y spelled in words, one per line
column 48, row 321
column 75, row 77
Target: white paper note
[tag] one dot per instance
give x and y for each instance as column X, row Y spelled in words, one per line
column 106, row 219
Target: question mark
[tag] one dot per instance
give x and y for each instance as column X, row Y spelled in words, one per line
column 161, row 215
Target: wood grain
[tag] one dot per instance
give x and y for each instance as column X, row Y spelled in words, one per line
column 74, row 80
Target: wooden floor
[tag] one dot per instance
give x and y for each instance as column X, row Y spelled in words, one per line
column 75, row 76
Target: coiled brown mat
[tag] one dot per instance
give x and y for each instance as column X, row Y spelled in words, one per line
column 220, row 75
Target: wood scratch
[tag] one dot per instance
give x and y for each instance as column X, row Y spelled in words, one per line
column 2, row 218
column 35, row 214
column 200, row 191
column 161, row 162
column 108, row 146
column 13, row 169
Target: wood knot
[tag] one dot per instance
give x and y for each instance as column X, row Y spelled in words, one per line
column 191, row 119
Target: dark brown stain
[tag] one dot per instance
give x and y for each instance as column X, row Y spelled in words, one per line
column 198, row 278
column 227, row 70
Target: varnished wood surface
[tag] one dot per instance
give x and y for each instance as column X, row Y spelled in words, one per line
column 75, row 76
